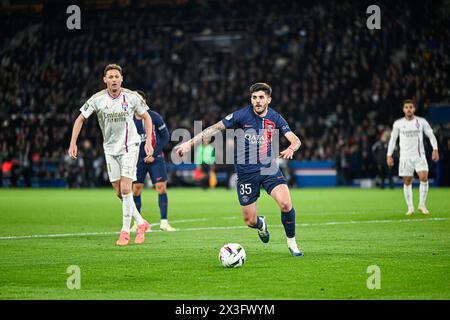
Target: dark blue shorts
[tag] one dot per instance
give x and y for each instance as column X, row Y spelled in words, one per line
column 157, row 171
column 248, row 185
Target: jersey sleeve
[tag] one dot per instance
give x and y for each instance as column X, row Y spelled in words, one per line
column 161, row 126
column 88, row 108
column 140, row 105
column 393, row 140
column 161, row 131
column 231, row 120
column 429, row 133
column 283, row 125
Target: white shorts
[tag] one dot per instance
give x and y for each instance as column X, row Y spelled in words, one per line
column 407, row 167
column 122, row 166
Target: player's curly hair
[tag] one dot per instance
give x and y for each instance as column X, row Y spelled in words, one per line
column 261, row 86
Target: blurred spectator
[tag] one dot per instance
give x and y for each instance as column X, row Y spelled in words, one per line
column 379, row 151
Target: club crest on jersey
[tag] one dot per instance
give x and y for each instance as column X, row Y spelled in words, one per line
column 417, row 124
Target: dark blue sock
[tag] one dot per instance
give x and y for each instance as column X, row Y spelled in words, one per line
column 163, row 203
column 258, row 224
column 288, row 220
column 137, row 202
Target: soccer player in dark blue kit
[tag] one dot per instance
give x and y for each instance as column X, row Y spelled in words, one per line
column 155, row 165
column 258, row 122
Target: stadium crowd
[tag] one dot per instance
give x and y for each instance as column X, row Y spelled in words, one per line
column 338, row 84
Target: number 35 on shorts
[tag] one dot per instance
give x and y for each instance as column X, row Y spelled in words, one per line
column 245, row 188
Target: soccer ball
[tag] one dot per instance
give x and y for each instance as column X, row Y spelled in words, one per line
column 232, row 255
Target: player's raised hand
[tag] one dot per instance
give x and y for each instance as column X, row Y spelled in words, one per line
column 435, row 155
column 73, row 151
column 390, row 161
column 287, row 154
column 183, row 148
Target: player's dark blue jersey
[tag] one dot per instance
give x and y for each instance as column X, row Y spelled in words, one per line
column 160, row 135
column 255, row 151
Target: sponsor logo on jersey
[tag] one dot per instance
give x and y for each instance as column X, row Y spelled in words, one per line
column 255, row 138
column 411, row 133
column 114, row 117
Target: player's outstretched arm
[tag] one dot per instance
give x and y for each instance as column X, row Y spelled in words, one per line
column 205, row 135
column 293, row 147
column 78, row 124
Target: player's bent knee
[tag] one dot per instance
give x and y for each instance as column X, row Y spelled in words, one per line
column 161, row 188
column 423, row 177
column 125, row 190
column 407, row 180
column 285, row 206
column 137, row 189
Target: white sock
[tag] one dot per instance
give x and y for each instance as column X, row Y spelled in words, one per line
column 423, row 191
column 128, row 205
column 163, row 221
column 126, row 215
column 407, row 192
column 292, row 244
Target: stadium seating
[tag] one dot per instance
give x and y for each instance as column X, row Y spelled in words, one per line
column 338, row 84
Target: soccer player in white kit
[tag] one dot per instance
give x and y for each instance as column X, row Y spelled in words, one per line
column 115, row 108
column 412, row 154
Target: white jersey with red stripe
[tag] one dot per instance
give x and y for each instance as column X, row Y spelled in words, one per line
column 115, row 117
column 411, row 137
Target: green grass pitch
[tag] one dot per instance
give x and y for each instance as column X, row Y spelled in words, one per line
column 342, row 232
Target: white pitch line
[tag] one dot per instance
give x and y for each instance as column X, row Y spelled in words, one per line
column 182, row 221
column 81, row 234
column 218, row 228
column 331, row 223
